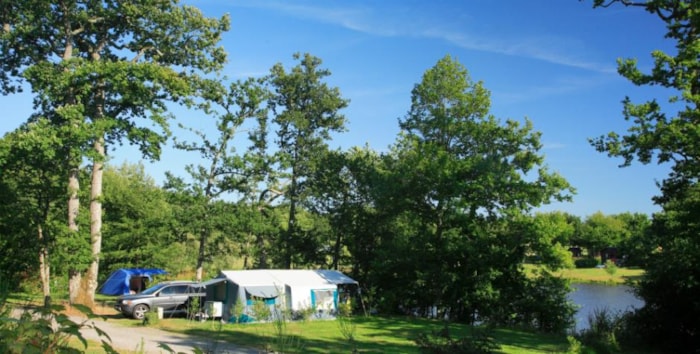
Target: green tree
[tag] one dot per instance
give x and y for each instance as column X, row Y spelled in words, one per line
column 137, row 222
column 600, row 231
column 550, row 235
column 340, row 192
column 639, row 244
column 98, row 68
column 460, row 181
column 306, row 112
column 225, row 172
column 668, row 134
column 31, row 217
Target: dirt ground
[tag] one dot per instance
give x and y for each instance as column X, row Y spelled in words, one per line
column 125, row 338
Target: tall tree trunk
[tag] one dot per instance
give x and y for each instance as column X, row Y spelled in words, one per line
column 339, row 237
column 95, row 221
column 44, row 268
column 200, row 256
column 261, row 262
column 289, row 248
column 74, row 275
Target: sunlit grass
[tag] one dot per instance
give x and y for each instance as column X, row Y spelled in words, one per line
column 373, row 335
column 595, row 275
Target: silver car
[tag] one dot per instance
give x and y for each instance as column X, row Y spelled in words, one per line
column 174, row 297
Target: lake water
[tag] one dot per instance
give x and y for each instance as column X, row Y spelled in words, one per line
column 596, row 296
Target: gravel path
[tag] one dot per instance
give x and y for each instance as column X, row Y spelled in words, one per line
column 147, row 340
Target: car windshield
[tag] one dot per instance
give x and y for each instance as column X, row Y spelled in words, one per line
column 153, row 289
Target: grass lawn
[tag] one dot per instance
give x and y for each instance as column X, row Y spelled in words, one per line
column 595, row 275
column 372, row 335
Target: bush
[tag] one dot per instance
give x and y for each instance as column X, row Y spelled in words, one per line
column 42, row 330
column 610, row 267
column 586, row 262
column 150, row 318
column 602, row 334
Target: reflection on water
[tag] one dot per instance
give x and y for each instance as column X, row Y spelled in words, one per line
column 589, row 297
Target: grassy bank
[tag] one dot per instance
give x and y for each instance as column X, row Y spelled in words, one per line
column 595, row 275
column 371, row 335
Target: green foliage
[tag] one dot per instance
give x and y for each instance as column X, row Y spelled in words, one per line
column 667, row 135
column 479, row 341
column 640, row 244
column 137, row 226
column 542, row 303
column 451, row 201
column 603, row 329
column 610, row 267
column 237, row 310
column 305, row 313
column 588, row 262
column 32, row 215
column 26, row 330
column 575, row 346
column 117, row 64
column 195, row 307
column 347, row 326
column 222, row 171
column 150, row 318
column 670, row 285
column 261, row 311
column 306, row 112
column 599, row 231
column 547, row 235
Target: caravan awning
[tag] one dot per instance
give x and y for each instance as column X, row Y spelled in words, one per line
column 212, row 282
column 262, row 291
column 335, row 277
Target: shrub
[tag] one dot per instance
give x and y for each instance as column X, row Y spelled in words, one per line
column 304, row 314
column 586, row 262
column 236, row 312
column 601, row 335
column 150, row 318
column 261, row 311
column 346, row 325
column 610, row 267
column 42, row 330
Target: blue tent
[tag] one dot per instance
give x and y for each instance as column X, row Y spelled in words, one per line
column 123, row 281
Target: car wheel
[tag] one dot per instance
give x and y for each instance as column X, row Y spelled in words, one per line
column 140, row 311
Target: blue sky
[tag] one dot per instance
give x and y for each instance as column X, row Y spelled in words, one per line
column 552, row 61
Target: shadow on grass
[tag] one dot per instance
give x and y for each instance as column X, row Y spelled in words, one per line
column 297, row 343
column 373, row 335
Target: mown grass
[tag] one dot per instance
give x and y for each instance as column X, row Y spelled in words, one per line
column 594, row 275
column 372, row 335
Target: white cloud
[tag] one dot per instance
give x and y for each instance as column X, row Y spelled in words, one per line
column 366, row 20
column 553, row 146
column 560, row 87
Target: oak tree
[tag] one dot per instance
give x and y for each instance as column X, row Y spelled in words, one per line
column 667, row 133
column 305, row 111
column 104, row 71
column 461, row 178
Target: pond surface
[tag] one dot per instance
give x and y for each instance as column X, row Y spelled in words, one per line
column 589, row 297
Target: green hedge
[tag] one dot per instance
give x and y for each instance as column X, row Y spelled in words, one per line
column 586, row 262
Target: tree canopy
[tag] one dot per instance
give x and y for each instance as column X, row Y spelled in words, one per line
column 667, row 133
column 99, row 67
column 458, row 181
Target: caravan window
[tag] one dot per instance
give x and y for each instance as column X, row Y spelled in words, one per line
column 324, row 298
